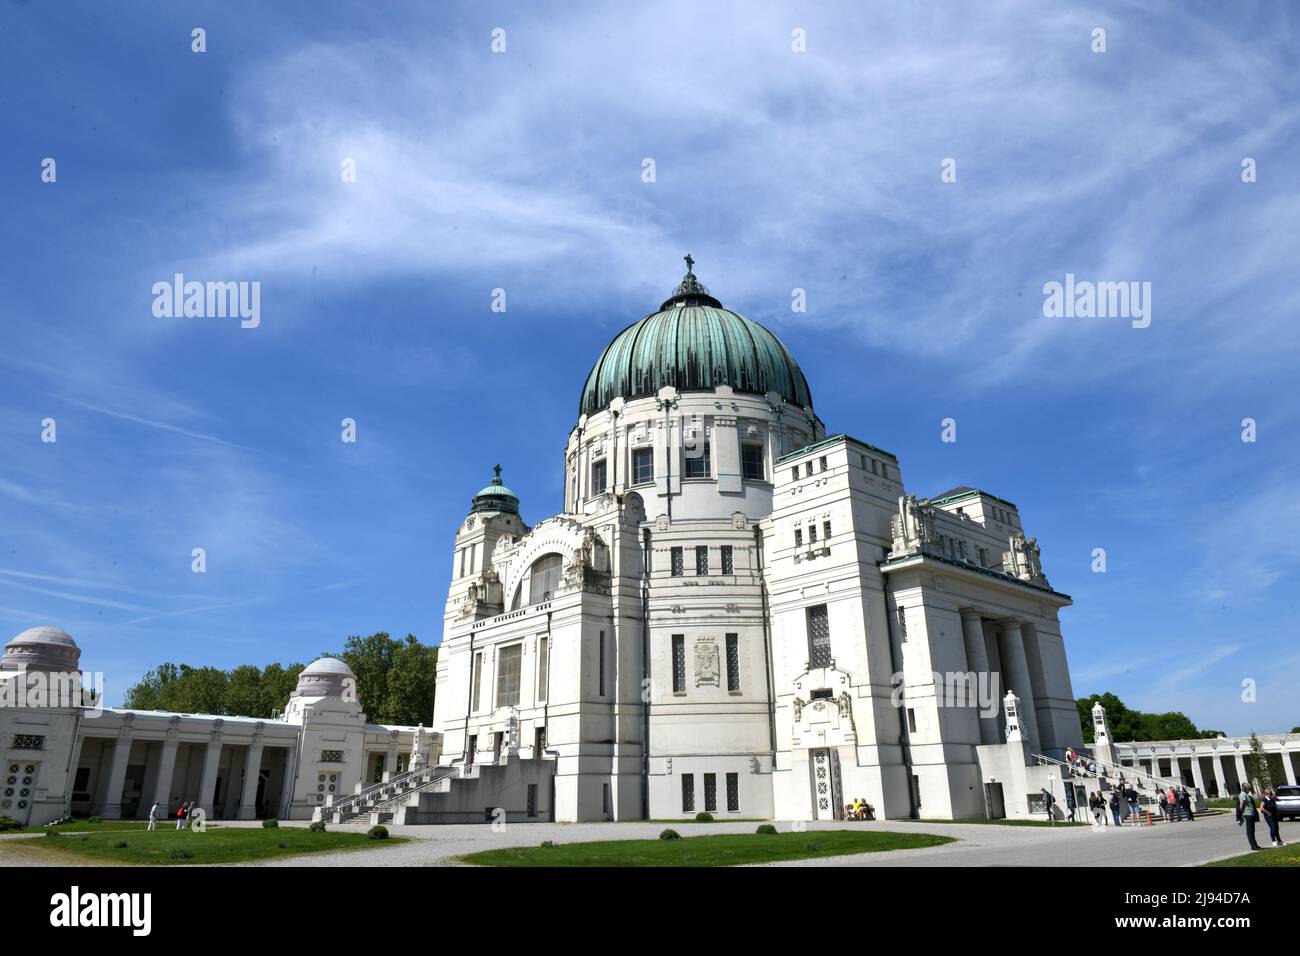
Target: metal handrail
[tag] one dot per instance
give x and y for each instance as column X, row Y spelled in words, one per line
column 377, row 788
column 1113, row 771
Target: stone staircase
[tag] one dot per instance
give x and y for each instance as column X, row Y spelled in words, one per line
column 1149, row 787
column 380, row 801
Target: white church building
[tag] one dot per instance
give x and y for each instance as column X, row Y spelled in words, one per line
column 733, row 613
column 715, row 621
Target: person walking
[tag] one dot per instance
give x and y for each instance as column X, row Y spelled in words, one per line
column 1268, row 807
column 1048, row 799
column 1175, row 808
column 1069, row 801
column 1247, row 813
column 153, row 816
column 1164, row 807
column 1095, row 805
column 1131, row 798
column 1185, row 801
column 1114, row 806
column 180, row 817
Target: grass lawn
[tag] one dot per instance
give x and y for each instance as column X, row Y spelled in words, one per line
column 1006, row 823
column 1271, row 856
column 165, row 847
column 1225, row 803
column 718, row 849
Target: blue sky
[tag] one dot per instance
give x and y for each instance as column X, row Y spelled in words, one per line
column 522, row 170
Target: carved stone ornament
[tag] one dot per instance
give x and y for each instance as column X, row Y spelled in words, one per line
column 706, row 662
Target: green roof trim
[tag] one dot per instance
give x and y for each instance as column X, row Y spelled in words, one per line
column 955, row 495
column 495, row 497
column 835, row 439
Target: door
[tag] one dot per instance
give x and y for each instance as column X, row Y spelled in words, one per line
column 132, row 789
column 497, row 739
column 997, row 809
column 827, row 800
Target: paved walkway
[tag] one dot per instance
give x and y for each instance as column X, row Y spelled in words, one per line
column 1178, row 844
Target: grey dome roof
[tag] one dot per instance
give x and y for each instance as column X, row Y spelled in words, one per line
column 45, row 635
column 325, row 677
column 42, row 648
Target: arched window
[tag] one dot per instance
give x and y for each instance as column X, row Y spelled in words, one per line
column 543, row 580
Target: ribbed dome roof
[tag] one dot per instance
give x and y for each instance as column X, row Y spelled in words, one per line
column 693, row 343
column 495, row 496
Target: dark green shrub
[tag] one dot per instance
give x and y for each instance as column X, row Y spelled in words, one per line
column 377, row 833
column 703, row 818
column 120, row 845
column 182, row 855
column 270, row 824
column 812, row 847
column 283, row 846
column 545, row 844
column 94, row 819
column 670, row 835
column 52, row 833
column 317, row 826
column 9, row 823
column 766, row 829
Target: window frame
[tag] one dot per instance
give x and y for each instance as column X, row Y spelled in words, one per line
column 639, row 455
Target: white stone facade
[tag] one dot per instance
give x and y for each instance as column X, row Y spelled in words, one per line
column 63, row 757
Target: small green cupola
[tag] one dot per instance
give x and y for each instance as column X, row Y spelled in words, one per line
column 495, row 497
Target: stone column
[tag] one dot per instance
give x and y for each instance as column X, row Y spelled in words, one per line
column 162, row 793
column 1287, row 768
column 252, row 764
column 1242, row 779
column 1218, row 774
column 977, row 659
column 208, row 782
column 1017, row 676
column 1197, row 777
column 286, row 782
column 117, row 774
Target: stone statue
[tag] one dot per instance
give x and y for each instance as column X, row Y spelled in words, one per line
column 912, row 527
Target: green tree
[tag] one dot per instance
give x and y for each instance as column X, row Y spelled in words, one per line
column 395, row 678
column 1257, row 763
column 1126, row 724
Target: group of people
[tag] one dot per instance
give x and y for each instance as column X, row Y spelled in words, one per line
column 182, row 815
column 1079, row 764
column 1126, row 792
column 859, row 809
column 1250, row 809
column 1176, row 804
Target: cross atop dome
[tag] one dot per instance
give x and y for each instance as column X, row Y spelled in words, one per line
column 690, row 291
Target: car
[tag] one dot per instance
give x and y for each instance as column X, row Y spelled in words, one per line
column 1288, row 802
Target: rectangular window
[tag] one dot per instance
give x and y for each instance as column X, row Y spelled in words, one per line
column 702, row 559
column 728, row 567
column 331, row 756
column 643, row 465
column 710, row 792
column 826, row 530
column 28, row 742
column 807, row 469
column 679, row 663
column 508, row 661
column 812, row 535
column 819, row 637
column 688, row 793
column 751, row 462
column 532, row 799
column 699, row 464
column 902, row 624
column 822, row 465
column 598, row 474
column 476, row 679
column 678, row 565
column 733, row 793
column 875, row 467
column 798, row 537
column 472, row 747
column 911, row 721
column 794, row 472
column 602, row 663
column 733, row 662
column 543, row 667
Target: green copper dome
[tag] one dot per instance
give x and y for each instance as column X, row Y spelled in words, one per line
column 693, row 344
column 495, row 497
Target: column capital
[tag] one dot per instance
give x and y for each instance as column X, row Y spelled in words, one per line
column 970, row 614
